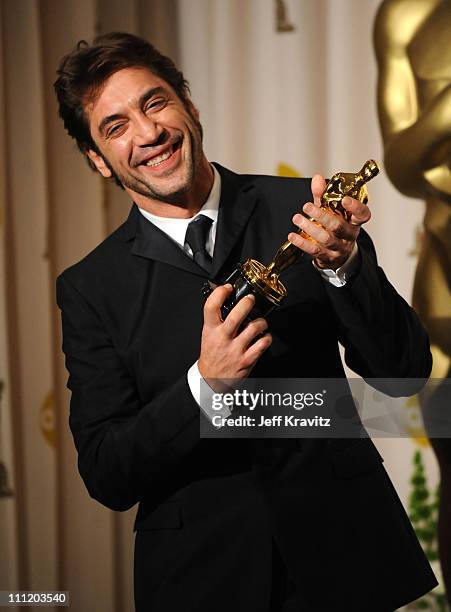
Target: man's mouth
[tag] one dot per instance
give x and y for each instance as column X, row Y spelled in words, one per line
column 157, row 160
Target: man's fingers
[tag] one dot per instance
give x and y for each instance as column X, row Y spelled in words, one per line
column 318, row 186
column 256, row 350
column 325, row 226
column 238, row 314
column 324, row 257
column 251, row 331
column 325, row 237
column 212, row 307
column 306, row 245
column 360, row 212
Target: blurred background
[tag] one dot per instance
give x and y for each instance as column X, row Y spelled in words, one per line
column 283, row 87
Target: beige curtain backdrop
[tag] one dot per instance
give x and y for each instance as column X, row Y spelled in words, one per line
column 268, row 95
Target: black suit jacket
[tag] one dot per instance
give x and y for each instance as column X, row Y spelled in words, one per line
column 209, row 509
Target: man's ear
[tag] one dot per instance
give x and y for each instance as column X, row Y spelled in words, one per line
column 99, row 163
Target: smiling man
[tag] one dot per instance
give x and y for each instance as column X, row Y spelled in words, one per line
column 234, row 524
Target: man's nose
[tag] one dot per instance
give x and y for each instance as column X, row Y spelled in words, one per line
column 147, row 130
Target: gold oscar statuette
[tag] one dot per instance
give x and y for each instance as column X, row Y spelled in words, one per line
column 253, row 277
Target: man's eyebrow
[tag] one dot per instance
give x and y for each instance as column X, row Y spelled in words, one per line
column 153, row 91
column 106, row 120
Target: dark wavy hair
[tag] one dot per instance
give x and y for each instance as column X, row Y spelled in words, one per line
column 83, row 71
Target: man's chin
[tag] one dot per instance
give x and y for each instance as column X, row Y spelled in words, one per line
column 170, row 195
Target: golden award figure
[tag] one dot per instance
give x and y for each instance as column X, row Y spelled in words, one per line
column 253, row 277
column 412, row 40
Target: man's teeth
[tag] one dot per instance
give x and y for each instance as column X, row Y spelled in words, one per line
column 160, row 158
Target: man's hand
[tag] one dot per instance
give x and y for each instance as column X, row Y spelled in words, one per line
column 226, row 352
column 333, row 240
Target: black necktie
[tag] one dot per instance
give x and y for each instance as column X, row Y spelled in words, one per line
column 196, row 238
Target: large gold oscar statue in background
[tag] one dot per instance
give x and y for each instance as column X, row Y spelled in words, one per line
column 413, row 48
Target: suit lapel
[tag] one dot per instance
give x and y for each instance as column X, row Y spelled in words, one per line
column 238, row 199
column 153, row 243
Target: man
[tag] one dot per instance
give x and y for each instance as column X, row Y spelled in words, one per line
column 224, row 524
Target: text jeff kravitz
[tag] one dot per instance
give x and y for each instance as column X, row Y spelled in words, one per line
column 274, row 421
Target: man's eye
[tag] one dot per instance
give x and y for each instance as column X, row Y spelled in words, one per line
column 114, row 129
column 156, row 104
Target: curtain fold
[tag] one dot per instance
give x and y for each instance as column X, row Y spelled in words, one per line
column 12, row 545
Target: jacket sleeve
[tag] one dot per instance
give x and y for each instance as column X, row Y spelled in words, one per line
column 382, row 335
column 124, row 446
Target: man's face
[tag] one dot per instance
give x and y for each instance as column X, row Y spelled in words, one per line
column 146, row 136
